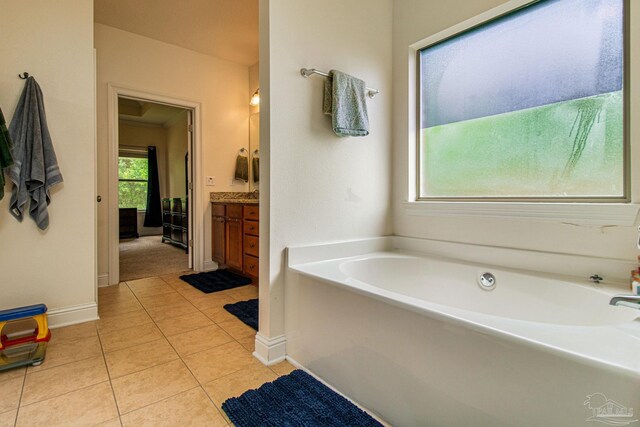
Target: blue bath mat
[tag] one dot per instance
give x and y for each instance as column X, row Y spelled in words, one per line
column 247, row 311
column 215, row 281
column 296, row 399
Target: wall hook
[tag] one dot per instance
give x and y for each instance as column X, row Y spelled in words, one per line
column 24, row 76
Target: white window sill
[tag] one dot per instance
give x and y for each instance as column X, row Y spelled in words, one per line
column 575, row 213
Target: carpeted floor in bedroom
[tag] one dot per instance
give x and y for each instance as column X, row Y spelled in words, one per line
column 147, row 256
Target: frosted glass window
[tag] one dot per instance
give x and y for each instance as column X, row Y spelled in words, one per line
column 529, row 105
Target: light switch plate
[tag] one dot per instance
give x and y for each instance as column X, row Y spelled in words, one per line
column 211, row 181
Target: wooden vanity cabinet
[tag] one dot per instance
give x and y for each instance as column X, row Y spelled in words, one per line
column 251, row 239
column 234, row 236
column 218, row 244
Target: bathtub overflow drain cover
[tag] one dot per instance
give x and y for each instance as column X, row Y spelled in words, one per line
column 487, row 281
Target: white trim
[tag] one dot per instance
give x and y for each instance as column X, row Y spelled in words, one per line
column 72, row 315
column 96, row 194
column 614, row 270
column 198, row 201
column 574, row 213
column 103, row 280
column 270, row 351
column 490, row 14
column 623, row 214
column 209, row 265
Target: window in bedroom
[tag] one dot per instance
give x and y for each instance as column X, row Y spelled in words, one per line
column 133, row 174
column 529, row 106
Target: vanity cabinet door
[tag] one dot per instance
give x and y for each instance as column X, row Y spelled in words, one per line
column 233, row 253
column 217, row 239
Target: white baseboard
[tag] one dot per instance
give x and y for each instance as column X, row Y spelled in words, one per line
column 66, row 316
column 210, row 265
column 270, row 351
column 103, row 280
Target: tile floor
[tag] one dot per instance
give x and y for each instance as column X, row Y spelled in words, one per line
column 162, row 353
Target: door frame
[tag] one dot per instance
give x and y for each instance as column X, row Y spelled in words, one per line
column 196, row 200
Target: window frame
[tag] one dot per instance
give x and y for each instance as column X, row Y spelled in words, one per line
column 134, row 154
column 446, row 35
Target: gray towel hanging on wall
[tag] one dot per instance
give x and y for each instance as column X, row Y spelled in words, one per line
column 35, row 169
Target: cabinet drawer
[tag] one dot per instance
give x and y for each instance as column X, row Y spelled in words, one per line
column 252, row 228
column 251, row 245
column 176, row 219
column 252, row 212
column 176, row 205
column 251, row 265
column 217, row 210
column 234, row 211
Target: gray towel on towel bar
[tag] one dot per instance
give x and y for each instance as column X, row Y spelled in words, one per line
column 242, row 168
column 35, row 169
column 255, row 165
column 345, row 102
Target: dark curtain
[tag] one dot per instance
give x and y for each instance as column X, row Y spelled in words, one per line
column 153, row 216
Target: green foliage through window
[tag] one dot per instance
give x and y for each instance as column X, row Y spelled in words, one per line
column 133, row 173
column 529, row 105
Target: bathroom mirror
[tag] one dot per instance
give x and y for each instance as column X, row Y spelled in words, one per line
column 254, row 150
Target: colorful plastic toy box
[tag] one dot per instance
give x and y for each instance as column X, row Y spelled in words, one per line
column 24, row 334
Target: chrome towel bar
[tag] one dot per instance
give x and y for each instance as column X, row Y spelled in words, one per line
column 306, row 72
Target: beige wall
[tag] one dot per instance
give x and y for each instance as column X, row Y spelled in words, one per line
column 177, row 139
column 254, row 84
column 316, row 186
column 254, row 121
column 415, row 20
column 136, row 62
column 54, row 42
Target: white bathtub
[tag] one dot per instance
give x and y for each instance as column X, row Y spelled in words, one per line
column 418, row 341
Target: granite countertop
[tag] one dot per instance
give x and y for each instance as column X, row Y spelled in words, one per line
column 233, row 197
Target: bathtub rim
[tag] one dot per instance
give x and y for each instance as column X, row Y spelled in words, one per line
column 626, row 335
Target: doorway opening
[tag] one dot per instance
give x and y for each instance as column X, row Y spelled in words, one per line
column 152, row 170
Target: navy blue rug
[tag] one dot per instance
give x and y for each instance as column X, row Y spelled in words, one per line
column 215, row 281
column 247, row 311
column 296, row 399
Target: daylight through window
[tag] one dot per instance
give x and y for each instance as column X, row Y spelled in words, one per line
column 529, row 105
column 133, row 174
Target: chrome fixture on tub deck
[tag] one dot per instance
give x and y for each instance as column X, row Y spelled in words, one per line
column 632, row 301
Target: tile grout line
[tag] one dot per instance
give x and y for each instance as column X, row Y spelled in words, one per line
column 180, row 357
column 24, row 380
column 194, row 376
column 161, row 400
column 44, row 369
column 106, row 366
column 201, row 384
column 154, row 366
column 178, row 354
column 65, row 393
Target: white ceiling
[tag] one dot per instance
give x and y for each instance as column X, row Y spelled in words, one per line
column 226, row 29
